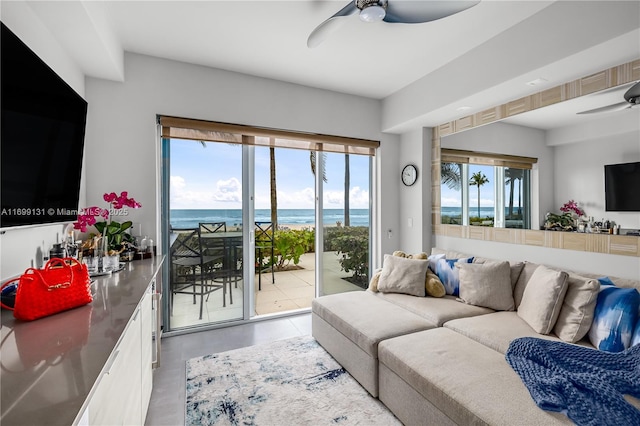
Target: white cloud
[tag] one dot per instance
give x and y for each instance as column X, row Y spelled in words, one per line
column 186, row 195
column 228, row 190
column 450, row 202
column 358, row 199
column 302, row 199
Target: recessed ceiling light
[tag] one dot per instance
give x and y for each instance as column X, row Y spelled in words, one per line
column 536, row 82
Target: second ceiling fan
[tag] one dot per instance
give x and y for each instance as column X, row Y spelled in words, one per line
column 390, row 11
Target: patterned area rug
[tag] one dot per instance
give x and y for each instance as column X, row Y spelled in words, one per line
column 293, row 381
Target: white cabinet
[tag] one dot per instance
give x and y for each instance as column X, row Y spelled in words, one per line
column 148, row 346
column 123, row 390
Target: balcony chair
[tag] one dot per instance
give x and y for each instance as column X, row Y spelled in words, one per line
column 228, row 247
column 264, row 243
column 193, row 270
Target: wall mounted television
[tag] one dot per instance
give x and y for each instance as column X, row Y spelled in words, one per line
column 42, row 139
column 622, row 187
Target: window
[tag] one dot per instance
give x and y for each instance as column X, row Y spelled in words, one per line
column 481, row 189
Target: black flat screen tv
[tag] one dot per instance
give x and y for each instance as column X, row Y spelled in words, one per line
column 42, row 139
column 622, row 187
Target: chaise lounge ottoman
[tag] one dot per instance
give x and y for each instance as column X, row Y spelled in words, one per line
column 442, row 377
column 351, row 325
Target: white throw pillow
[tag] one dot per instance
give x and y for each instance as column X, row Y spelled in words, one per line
column 486, row 284
column 577, row 310
column 543, row 298
column 401, row 275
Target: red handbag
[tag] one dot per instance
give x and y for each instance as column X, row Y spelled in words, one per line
column 61, row 285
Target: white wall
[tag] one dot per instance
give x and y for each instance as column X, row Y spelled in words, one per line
column 415, row 201
column 511, row 139
column 580, row 155
column 387, row 198
column 25, row 247
column 121, row 146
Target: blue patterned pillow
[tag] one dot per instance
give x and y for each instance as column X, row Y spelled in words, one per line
column 449, row 274
column 615, row 317
column 635, row 339
column 433, row 261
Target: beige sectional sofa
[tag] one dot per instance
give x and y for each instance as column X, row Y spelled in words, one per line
column 436, row 361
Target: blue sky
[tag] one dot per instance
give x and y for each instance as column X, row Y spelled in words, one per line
column 451, row 198
column 211, row 178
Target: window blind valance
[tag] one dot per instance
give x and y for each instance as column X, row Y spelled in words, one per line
column 184, row 128
column 488, row 159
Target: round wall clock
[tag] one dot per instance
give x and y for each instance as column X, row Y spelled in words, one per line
column 409, row 174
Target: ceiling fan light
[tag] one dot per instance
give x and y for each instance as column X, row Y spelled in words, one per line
column 373, row 13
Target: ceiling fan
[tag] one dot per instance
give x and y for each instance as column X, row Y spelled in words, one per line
column 390, row 11
column 631, row 100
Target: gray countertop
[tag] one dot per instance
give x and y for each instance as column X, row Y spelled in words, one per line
column 49, row 366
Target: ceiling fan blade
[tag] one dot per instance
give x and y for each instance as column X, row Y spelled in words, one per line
column 609, row 108
column 414, row 12
column 633, row 94
column 323, row 30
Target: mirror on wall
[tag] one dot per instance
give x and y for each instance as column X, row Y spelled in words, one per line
column 570, row 151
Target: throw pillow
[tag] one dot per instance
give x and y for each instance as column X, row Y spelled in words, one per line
column 614, row 318
column 543, row 298
column 635, row 339
column 486, row 284
column 516, row 270
column 448, row 274
column 433, row 261
column 400, row 275
column 576, row 314
column 433, row 285
column 373, row 284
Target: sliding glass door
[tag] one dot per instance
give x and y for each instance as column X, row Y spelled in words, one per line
column 260, row 225
column 285, row 203
column 345, row 223
column 206, row 233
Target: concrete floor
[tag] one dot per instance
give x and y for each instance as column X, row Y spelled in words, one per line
column 291, row 290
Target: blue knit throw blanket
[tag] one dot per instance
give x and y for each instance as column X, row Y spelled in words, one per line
column 587, row 384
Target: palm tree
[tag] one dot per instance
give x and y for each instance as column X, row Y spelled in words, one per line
column 274, row 192
column 347, row 184
column 511, row 176
column 478, row 179
column 312, row 160
column 451, row 175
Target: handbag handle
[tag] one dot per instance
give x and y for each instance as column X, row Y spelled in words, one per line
column 7, row 284
column 49, row 265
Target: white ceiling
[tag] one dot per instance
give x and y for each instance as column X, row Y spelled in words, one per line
column 268, row 39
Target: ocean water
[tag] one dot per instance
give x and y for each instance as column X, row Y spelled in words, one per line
column 191, row 218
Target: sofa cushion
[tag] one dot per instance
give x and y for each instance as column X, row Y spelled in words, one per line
column 543, row 298
column 615, row 316
column 448, row 273
column 496, row 330
column 486, row 284
column 366, row 319
column 437, row 311
column 401, row 275
column 576, row 314
column 469, row 382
